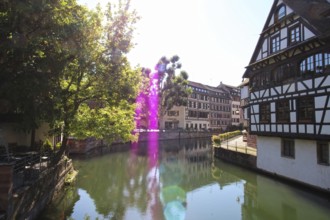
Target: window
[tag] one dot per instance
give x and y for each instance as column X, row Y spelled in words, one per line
column 265, row 112
column 288, row 148
column 261, row 79
column 326, row 59
column 294, row 35
column 305, row 109
column 173, row 113
column 283, row 111
column 283, row 72
column 203, row 114
column 280, row 13
column 171, row 125
column 192, row 114
column 317, row 63
column 275, row 44
column 323, row 153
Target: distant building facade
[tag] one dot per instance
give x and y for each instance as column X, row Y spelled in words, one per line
column 208, row 108
column 236, row 113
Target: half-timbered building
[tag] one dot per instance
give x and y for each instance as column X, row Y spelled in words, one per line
column 208, row 108
column 289, row 92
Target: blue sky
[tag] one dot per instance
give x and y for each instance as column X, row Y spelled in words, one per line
column 214, row 39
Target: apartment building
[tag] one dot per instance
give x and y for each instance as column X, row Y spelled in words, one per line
column 208, row 108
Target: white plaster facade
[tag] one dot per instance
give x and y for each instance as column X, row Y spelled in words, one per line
column 303, row 167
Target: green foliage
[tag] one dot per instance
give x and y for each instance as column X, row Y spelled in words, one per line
column 47, row 145
column 174, row 89
column 70, row 177
column 58, row 145
column 60, row 61
column 109, row 123
column 216, row 139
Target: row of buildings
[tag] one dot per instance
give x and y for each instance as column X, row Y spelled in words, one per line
column 208, row 108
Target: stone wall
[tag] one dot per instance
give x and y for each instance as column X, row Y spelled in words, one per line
column 28, row 201
column 251, row 140
column 245, row 160
column 79, row 146
column 176, row 134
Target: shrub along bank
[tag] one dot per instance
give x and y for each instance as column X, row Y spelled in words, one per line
column 216, row 139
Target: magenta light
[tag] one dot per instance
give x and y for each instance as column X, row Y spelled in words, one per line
column 153, row 101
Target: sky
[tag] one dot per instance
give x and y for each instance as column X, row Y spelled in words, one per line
column 215, row 39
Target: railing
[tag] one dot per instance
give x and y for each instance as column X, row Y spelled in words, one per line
column 27, row 166
column 236, row 144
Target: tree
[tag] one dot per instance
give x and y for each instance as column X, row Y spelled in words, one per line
column 61, row 65
column 97, row 91
column 35, row 36
column 174, row 88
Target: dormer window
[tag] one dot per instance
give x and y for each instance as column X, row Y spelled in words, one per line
column 280, row 12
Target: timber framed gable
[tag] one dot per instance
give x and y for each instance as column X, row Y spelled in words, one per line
column 289, row 72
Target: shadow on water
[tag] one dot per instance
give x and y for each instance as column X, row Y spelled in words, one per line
column 178, row 179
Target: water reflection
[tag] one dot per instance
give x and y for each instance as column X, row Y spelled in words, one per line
column 179, row 180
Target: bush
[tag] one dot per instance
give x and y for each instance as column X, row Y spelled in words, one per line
column 58, row 145
column 47, row 145
column 216, row 139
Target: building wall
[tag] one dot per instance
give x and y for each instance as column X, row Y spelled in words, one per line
column 236, row 113
column 169, row 117
column 303, row 167
column 207, row 108
column 318, row 88
column 9, row 134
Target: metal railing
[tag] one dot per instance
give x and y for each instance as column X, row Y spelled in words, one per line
column 27, row 166
column 238, row 146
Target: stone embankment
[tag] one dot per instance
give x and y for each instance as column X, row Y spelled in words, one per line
column 87, row 146
column 236, row 151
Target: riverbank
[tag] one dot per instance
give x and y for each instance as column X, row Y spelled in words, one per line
column 88, row 146
column 236, row 151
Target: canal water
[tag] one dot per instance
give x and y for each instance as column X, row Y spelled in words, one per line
column 178, row 179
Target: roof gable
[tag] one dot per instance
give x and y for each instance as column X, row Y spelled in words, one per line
column 315, row 14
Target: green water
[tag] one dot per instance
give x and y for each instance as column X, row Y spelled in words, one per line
column 179, row 180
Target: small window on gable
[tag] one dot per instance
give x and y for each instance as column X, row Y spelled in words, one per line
column 280, row 13
column 275, row 44
column 294, row 35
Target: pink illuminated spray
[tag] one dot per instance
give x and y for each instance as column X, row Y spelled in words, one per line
column 153, row 119
column 153, row 176
column 153, row 101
